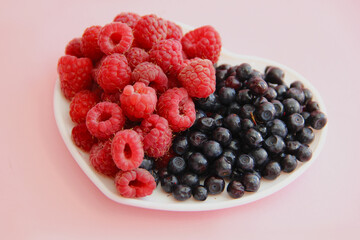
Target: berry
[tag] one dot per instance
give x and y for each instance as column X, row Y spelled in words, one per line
column 222, row 167
column 111, row 97
column 272, row 170
column 114, row 73
column 180, row 145
column 312, row 106
column 289, row 163
column 246, row 124
column 318, row 120
column 274, row 75
column 138, row 101
column 295, row 122
column 135, row 56
column 74, row 74
column 281, row 91
column 296, row 94
column 81, row 103
column 105, row 119
column 308, row 95
column 258, row 86
column 206, row 124
column 244, row 96
column 229, row 155
column 214, row 185
column 73, row 48
column 152, row 75
column 89, row 43
column 190, row 179
column 147, row 163
column 251, row 182
column 82, row 137
column 135, row 183
column 197, row 163
column 235, row 189
column 234, row 145
column 203, row 42
column 245, row 162
column 182, row 192
column 199, row 114
column 304, row 153
column 209, row 104
column 253, row 137
column 178, row 108
column 274, row 144
column 243, row 72
column 169, row 182
column 233, row 108
column 176, row 165
column 270, row 94
column 278, row 127
column 101, row 159
column 197, row 138
column 200, row 193
column 297, row 84
column 174, row 31
column 226, row 95
column 265, row 112
column 279, row 108
column 233, row 123
column 291, row 106
column 155, row 174
column 212, row 149
column 292, row 147
column 233, row 82
column 163, row 161
column 218, row 119
column 127, row 150
column 305, row 135
column 150, row 29
column 260, row 156
column 198, row 77
column 222, row 135
column 115, row 37
column 127, row 17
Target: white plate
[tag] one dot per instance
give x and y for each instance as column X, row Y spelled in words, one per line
column 163, row 201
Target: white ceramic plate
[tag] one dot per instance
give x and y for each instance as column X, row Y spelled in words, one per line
column 163, row 201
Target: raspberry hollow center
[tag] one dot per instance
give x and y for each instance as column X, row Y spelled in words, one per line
column 127, row 151
column 116, row 38
column 137, row 184
column 104, row 116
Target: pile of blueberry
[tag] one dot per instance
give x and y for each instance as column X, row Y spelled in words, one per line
column 254, row 126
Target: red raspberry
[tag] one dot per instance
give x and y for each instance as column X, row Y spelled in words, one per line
column 178, row 108
column 168, row 55
column 152, row 75
column 173, row 82
column 173, row 31
column 163, row 161
column 198, row 77
column 101, row 159
column 97, row 90
column 135, row 56
column 74, row 74
column 203, row 42
column 82, row 137
column 111, row 97
column 81, row 103
column 156, row 136
column 115, row 37
column 135, row 184
column 127, row 150
column 114, row 73
column 149, row 30
column 89, row 43
column 105, row 119
column 138, row 101
column 127, row 17
column 73, row 48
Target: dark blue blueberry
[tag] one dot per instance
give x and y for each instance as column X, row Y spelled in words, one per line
column 212, row 149
column 199, row 114
column 247, row 111
column 235, row 189
column 244, row 96
column 292, row 147
column 297, row 84
column 290, row 137
column 281, row 91
column 233, row 123
column 233, row 82
column 214, row 184
column 258, row 86
column 234, row 146
column 274, row 144
column 147, row 163
column 222, row 135
column 246, row 124
column 229, row 155
column 197, row 139
column 245, row 162
column 226, row 95
column 259, row 155
column 244, row 71
column 180, row 145
column 190, row 179
column 168, row 183
column 305, row 135
column 265, row 112
column 176, row 165
column 270, row 94
column 291, row 106
column 295, row 122
column 278, row 127
column 296, row 94
column 312, row 106
column 197, row 163
column 289, row 163
column 279, row 108
column 251, row 182
column 209, row 104
column 237, row 174
column 234, row 107
column 222, row 167
column 200, row 193
column 274, row 75
column 182, row 192
column 318, row 120
column 218, row 119
column 259, row 100
column 206, row 124
column 306, row 116
column 155, row 175
column 162, row 173
column 253, row 138
column 187, row 155
column 271, row 171
column 304, row 153
column 308, row 95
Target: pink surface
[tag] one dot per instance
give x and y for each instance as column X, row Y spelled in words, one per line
column 45, row 195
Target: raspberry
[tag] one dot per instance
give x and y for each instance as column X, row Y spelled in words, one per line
column 173, row 82
column 150, row 29
column 156, row 136
column 73, row 48
column 178, row 108
column 163, row 161
column 101, row 159
column 168, row 55
column 97, row 90
column 173, row 31
column 114, row 73
column 105, row 119
column 115, row 37
column 203, row 42
column 138, row 101
column 74, row 74
column 152, row 75
column 127, row 150
column 127, row 17
column 135, row 56
column 81, row 103
column 198, row 77
column 89, row 43
column 135, row 184
column 82, row 137
column 111, row 97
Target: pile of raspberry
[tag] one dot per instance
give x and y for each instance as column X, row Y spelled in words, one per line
column 131, row 85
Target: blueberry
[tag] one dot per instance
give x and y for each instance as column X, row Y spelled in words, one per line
column 197, row 163
column 306, row 116
column 176, row 165
column 224, row 66
column 279, row 108
column 274, row 144
column 281, row 91
column 155, row 175
column 237, row 174
column 297, row 84
column 278, row 127
column 245, row 162
column 259, row 155
column 312, row 106
column 304, row 153
column 317, row 119
column 235, row 189
column 147, row 163
column 234, row 107
column 247, row 111
column 233, row 82
column 234, row 146
column 274, row 75
column 199, row 114
column 226, row 95
column 256, row 73
column 229, row 155
column 221, row 73
column 168, row 183
column 187, row 155
column 262, row 129
column 291, row 106
column 305, row 135
column 290, row 137
column 253, row 138
column 270, row 94
column 180, row 145
column 222, row 167
column 243, row 71
column 258, row 86
column 296, row 94
column 246, row 124
column 189, row 179
column 292, row 147
column 212, row 149
column 200, row 193
column 214, row 184
column 222, row 135
column 233, row 123
column 218, row 119
column 209, row 104
column 265, row 112
column 206, row 124
column 197, row 139
column 182, row 192
column 244, row 96
column 308, row 95
column 295, row 122
column 289, row 163
column 272, row 170
column 162, row 173
column 251, row 182
column 259, row 100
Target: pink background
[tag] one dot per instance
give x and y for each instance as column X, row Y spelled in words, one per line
column 45, row 195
